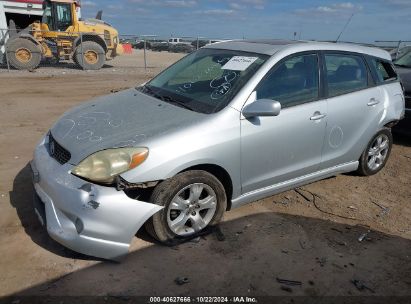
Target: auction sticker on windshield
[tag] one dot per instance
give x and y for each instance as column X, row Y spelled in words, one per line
column 239, row 63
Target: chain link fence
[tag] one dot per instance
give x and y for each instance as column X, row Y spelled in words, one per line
column 30, row 50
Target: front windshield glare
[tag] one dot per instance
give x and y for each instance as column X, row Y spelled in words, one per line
column 404, row 60
column 207, row 80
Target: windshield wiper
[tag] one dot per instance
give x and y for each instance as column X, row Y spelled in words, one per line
column 150, row 91
column 166, row 98
column 177, row 102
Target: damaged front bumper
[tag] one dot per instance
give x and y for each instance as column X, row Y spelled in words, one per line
column 85, row 217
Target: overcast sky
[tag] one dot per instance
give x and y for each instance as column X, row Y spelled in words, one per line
column 311, row 19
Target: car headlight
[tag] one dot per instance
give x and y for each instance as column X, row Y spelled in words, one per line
column 104, row 166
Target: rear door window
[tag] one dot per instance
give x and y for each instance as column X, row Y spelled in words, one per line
column 345, row 73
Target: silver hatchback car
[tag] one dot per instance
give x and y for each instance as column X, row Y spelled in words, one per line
column 229, row 124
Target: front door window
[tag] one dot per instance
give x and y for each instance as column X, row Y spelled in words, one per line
column 292, row 82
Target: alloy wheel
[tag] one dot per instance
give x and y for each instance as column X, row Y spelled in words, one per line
column 378, row 152
column 191, row 209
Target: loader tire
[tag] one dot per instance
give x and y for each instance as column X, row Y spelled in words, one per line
column 74, row 58
column 23, row 54
column 90, row 56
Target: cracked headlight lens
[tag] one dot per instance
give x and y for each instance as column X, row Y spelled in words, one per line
column 104, row 166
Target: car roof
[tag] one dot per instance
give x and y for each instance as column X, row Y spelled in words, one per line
column 272, row 46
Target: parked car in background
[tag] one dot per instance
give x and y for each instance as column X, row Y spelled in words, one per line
column 397, row 53
column 181, row 48
column 229, row 124
column 127, row 41
column 199, row 43
column 173, row 41
column 160, row 46
column 202, row 43
column 139, row 44
column 403, row 67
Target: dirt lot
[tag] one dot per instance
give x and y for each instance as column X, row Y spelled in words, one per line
column 295, row 236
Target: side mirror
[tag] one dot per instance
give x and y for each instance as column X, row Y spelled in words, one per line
column 262, row 107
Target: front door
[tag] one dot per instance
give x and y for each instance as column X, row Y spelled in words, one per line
column 280, row 148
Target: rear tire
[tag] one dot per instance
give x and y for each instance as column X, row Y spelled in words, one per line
column 192, row 201
column 23, row 54
column 90, row 56
column 375, row 156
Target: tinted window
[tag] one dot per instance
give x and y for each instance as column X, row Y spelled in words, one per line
column 345, row 73
column 385, row 71
column 292, row 82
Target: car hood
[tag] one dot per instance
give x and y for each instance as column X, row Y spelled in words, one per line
column 125, row 119
column 405, row 74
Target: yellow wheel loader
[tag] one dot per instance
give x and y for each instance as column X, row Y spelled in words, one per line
column 61, row 35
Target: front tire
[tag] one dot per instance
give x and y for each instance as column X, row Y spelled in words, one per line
column 192, row 201
column 23, row 54
column 375, row 156
column 90, row 55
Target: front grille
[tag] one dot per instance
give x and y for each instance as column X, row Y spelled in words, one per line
column 57, row 152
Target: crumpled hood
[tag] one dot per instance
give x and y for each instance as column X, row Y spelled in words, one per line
column 124, row 119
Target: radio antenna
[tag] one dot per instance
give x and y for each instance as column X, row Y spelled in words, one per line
column 345, row 26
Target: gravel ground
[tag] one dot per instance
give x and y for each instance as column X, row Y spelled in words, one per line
column 309, row 235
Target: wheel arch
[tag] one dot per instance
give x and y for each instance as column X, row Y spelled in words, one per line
column 221, row 174
column 391, row 123
column 93, row 38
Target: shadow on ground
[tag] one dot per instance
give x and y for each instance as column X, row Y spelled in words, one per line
column 255, row 251
column 402, row 139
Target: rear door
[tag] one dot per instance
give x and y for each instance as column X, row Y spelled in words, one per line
column 354, row 107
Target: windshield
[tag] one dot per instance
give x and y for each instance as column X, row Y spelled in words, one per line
column 205, row 81
column 404, row 61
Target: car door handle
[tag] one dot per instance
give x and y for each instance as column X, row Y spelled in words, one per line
column 373, row 102
column 317, row 116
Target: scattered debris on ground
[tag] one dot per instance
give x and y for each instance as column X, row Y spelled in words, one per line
column 181, row 280
column 289, row 282
column 360, row 285
column 363, row 236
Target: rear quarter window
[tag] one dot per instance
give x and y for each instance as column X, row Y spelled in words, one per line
column 384, row 70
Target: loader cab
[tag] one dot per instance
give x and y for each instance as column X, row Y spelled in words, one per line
column 58, row 15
